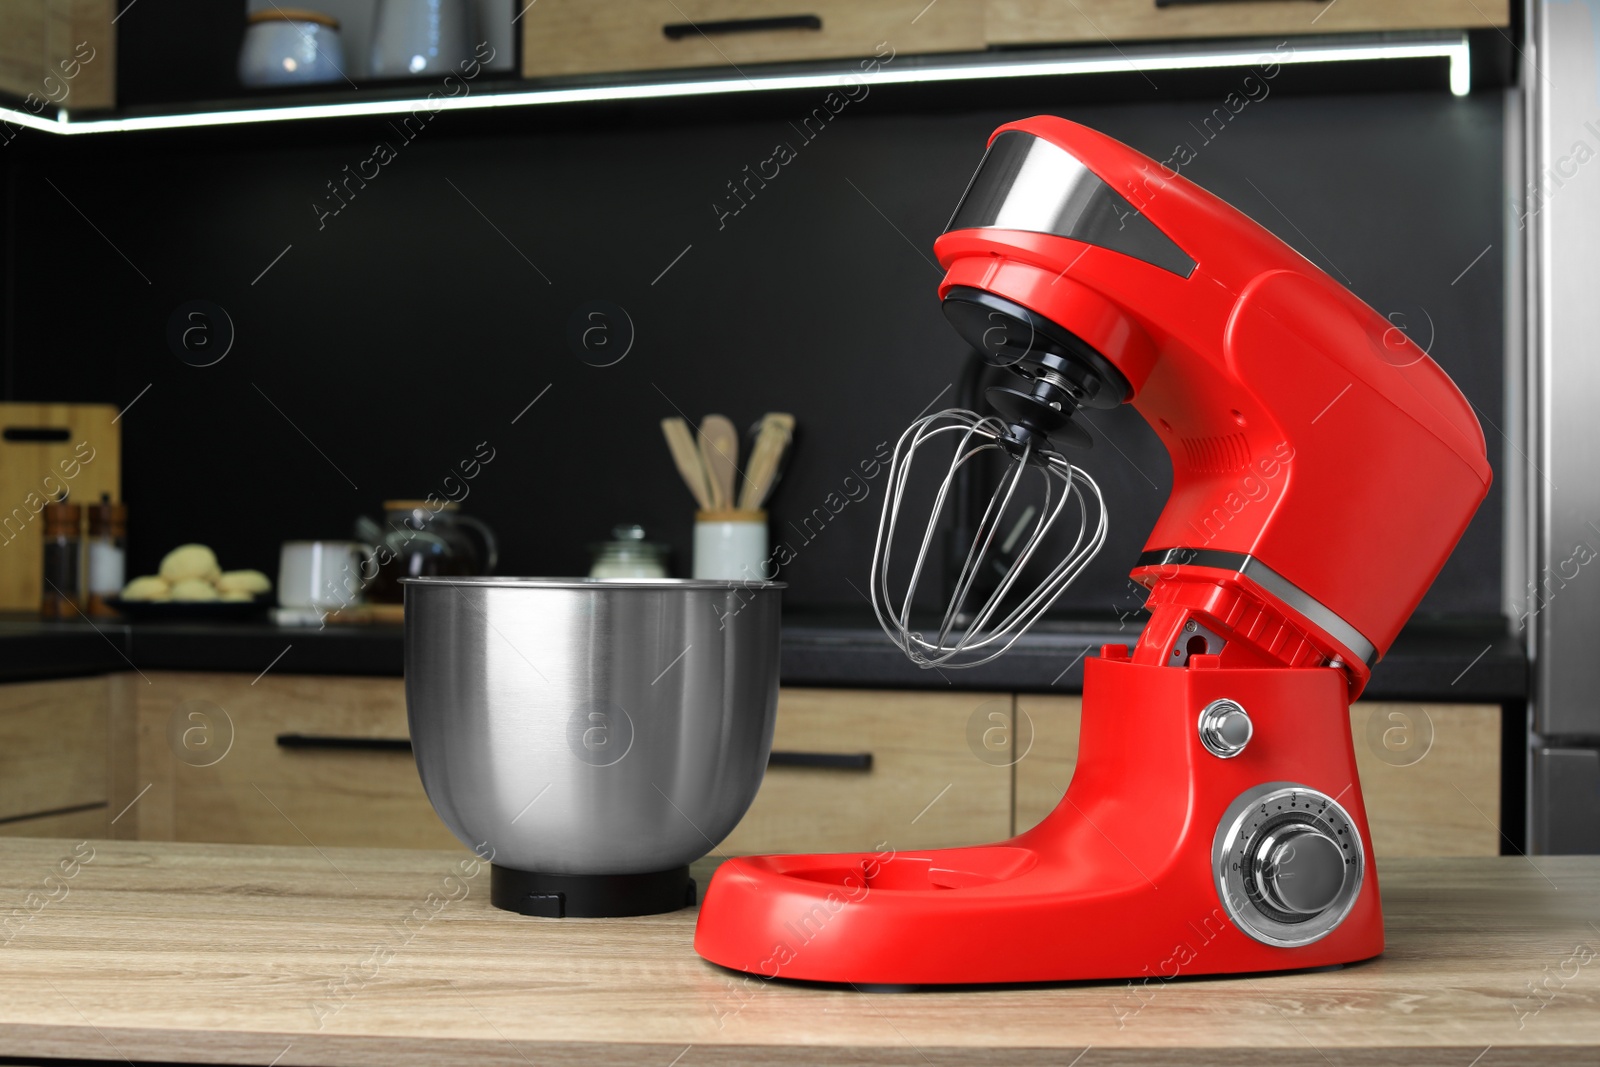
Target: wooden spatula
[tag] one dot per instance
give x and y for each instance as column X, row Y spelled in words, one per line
column 687, row 457
column 776, row 429
column 719, row 451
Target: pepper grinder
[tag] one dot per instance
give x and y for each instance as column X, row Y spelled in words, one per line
column 62, row 590
column 107, row 553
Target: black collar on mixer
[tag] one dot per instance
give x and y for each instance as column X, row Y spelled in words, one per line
column 1060, row 373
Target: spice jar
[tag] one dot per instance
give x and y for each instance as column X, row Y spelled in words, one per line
column 63, row 557
column 107, row 553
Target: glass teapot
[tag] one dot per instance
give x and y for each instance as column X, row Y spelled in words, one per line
column 421, row 539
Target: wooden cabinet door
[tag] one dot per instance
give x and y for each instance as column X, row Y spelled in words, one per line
column 209, row 750
column 81, row 823
column 58, row 53
column 583, row 37
column 211, row 768
column 940, row 773
column 1431, row 777
column 1017, row 22
column 53, row 747
column 1430, row 773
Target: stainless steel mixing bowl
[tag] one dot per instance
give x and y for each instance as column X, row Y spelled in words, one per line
column 591, row 727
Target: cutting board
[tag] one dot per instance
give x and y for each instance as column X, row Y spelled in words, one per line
column 44, row 449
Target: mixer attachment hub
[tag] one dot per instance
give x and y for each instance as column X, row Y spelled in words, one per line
column 1062, row 372
column 1036, row 418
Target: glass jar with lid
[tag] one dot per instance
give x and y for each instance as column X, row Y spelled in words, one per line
column 628, row 555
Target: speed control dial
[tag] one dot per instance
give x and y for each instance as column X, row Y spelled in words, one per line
column 1288, row 863
column 1299, row 870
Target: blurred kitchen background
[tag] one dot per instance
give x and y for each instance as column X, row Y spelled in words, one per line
column 393, row 313
column 421, row 318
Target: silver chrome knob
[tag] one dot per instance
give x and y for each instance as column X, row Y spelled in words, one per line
column 1225, row 728
column 1298, row 869
column 1288, row 862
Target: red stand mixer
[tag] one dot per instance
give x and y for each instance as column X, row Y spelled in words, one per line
column 1323, row 469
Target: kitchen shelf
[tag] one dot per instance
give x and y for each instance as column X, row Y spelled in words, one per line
column 1364, row 61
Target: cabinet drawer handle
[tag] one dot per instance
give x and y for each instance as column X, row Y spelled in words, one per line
column 833, row 761
column 677, row 31
column 370, row 744
column 37, row 434
column 1197, row 3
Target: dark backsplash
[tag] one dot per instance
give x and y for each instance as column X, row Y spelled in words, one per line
column 395, row 337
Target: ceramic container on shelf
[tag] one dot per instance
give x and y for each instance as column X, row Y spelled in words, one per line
column 731, row 545
column 291, row 46
column 417, row 37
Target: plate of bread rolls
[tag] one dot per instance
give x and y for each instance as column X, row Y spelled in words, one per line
column 191, row 585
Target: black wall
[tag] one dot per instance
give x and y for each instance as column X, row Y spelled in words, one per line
column 424, row 316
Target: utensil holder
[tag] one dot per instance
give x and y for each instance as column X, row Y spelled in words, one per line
column 731, row 545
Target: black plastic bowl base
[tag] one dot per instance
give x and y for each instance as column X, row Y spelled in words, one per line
column 590, row 896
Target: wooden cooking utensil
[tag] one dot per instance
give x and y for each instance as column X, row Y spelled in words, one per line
column 719, row 450
column 687, row 458
column 776, row 430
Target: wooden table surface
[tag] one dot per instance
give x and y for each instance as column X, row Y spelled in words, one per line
column 265, row 955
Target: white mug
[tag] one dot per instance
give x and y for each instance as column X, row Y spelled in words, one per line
column 323, row 575
column 732, row 546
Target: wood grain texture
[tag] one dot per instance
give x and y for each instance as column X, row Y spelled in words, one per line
column 123, row 783
column 23, row 28
column 1045, row 769
column 53, row 738
column 207, row 746
column 926, row 788
column 46, row 39
column 255, row 954
column 580, row 37
column 1430, row 773
column 1012, row 22
column 84, row 465
column 87, row 822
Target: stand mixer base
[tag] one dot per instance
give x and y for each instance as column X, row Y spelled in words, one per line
column 590, row 896
column 1162, row 859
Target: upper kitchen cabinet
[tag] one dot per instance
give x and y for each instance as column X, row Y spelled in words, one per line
column 563, row 37
column 1034, row 22
column 58, row 53
column 119, row 65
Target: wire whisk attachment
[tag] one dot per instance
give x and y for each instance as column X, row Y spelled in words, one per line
column 971, row 638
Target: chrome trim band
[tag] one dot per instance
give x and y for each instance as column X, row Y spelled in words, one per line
column 1250, row 567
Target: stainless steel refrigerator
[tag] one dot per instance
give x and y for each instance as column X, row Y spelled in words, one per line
column 1553, row 577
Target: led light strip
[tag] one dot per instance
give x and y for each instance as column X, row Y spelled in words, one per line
column 1454, row 48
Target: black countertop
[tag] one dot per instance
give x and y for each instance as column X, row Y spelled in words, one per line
column 1440, row 660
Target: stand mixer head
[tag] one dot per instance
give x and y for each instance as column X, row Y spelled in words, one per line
column 1323, row 465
